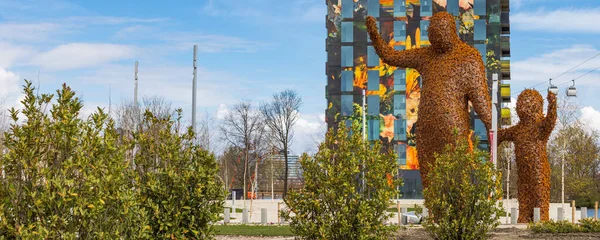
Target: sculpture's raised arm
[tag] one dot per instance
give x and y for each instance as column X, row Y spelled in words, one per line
column 412, row 58
column 550, row 119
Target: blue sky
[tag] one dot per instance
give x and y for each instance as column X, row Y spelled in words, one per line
column 248, row 49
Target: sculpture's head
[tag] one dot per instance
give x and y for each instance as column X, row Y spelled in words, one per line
column 442, row 32
column 530, row 105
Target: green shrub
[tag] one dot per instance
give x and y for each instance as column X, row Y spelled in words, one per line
column 333, row 204
column 177, row 180
column 458, row 196
column 63, row 177
column 565, row 226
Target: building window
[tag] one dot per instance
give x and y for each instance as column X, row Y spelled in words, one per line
column 482, row 50
column 378, row 28
column 347, row 56
column 347, row 81
column 400, row 80
column 424, row 27
column 480, row 130
column 347, row 105
column 347, row 31
column 373, row 8
column 425, row 8
column 452, row 7
column 479, row 30
column 347, row 8
column 400, row 105
column 372, row 57
column 373, row 80
column 401, row 151
column 373, row 105
column 399, row 31
column 399, row 8
column 457, row 27
column 373, row 129
column 400, row 129
column 479, row 7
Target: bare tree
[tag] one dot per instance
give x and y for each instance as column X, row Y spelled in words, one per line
column 280, row 116
column 129, row 116
column 242, row 127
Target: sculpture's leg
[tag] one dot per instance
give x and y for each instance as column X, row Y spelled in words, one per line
column 544, row 191
column 525, row 204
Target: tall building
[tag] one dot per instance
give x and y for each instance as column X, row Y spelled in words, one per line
column 392, row 94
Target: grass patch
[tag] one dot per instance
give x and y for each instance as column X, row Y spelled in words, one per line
column 250, row 230
column 395, row 210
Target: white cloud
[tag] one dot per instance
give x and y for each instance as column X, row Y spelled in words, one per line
column 9, row 82
column 79, row 55
column 560, row 20
column 27, row 31
column 222, row 112
column 308, row 132
column 539, row 68
column 12, row 53
column 211, row 43
column 591, row 116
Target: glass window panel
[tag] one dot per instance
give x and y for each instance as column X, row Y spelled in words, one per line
column 399, row 8
column 347, row 56
column 347, row 81
column 426, row 8
column 373, row 105
column 480, row 130
column 452, row 7
column 399, row 31
column 399, row 47
column 482, row 50
column 479, row 30
column 372, row 57
column 347, row 31
column 479, row 7
column 373, row 80
column 400, row 80
column 347, row 8
column 424, row 27
column 400, row 129
column 373, row 8
column 400, row 105
column 373, row 129
column 401, row 151
column 347, row 105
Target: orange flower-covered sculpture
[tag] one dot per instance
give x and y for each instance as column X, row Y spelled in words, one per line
column 530, row 137
column 452, row 74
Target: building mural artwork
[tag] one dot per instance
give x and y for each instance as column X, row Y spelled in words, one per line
column 393, row 94
column 530, row 137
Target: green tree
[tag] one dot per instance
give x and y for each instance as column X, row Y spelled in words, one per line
column 63, row 177
column 178, row 180
column 459, row 196
column 578, row 147
column 334, row 203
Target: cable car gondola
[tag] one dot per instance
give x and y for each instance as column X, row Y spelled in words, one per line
column 552, row 88
column 572, row 90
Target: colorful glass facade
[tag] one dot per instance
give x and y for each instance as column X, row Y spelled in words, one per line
column 393, row 94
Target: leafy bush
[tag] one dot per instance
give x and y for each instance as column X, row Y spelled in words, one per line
column 458, row 196
column 65, row 177
column 177, row 181
column 565, row 226
column 333, row 204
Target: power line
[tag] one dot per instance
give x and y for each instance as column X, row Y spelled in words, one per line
column 577, row 66
column 571, row 69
